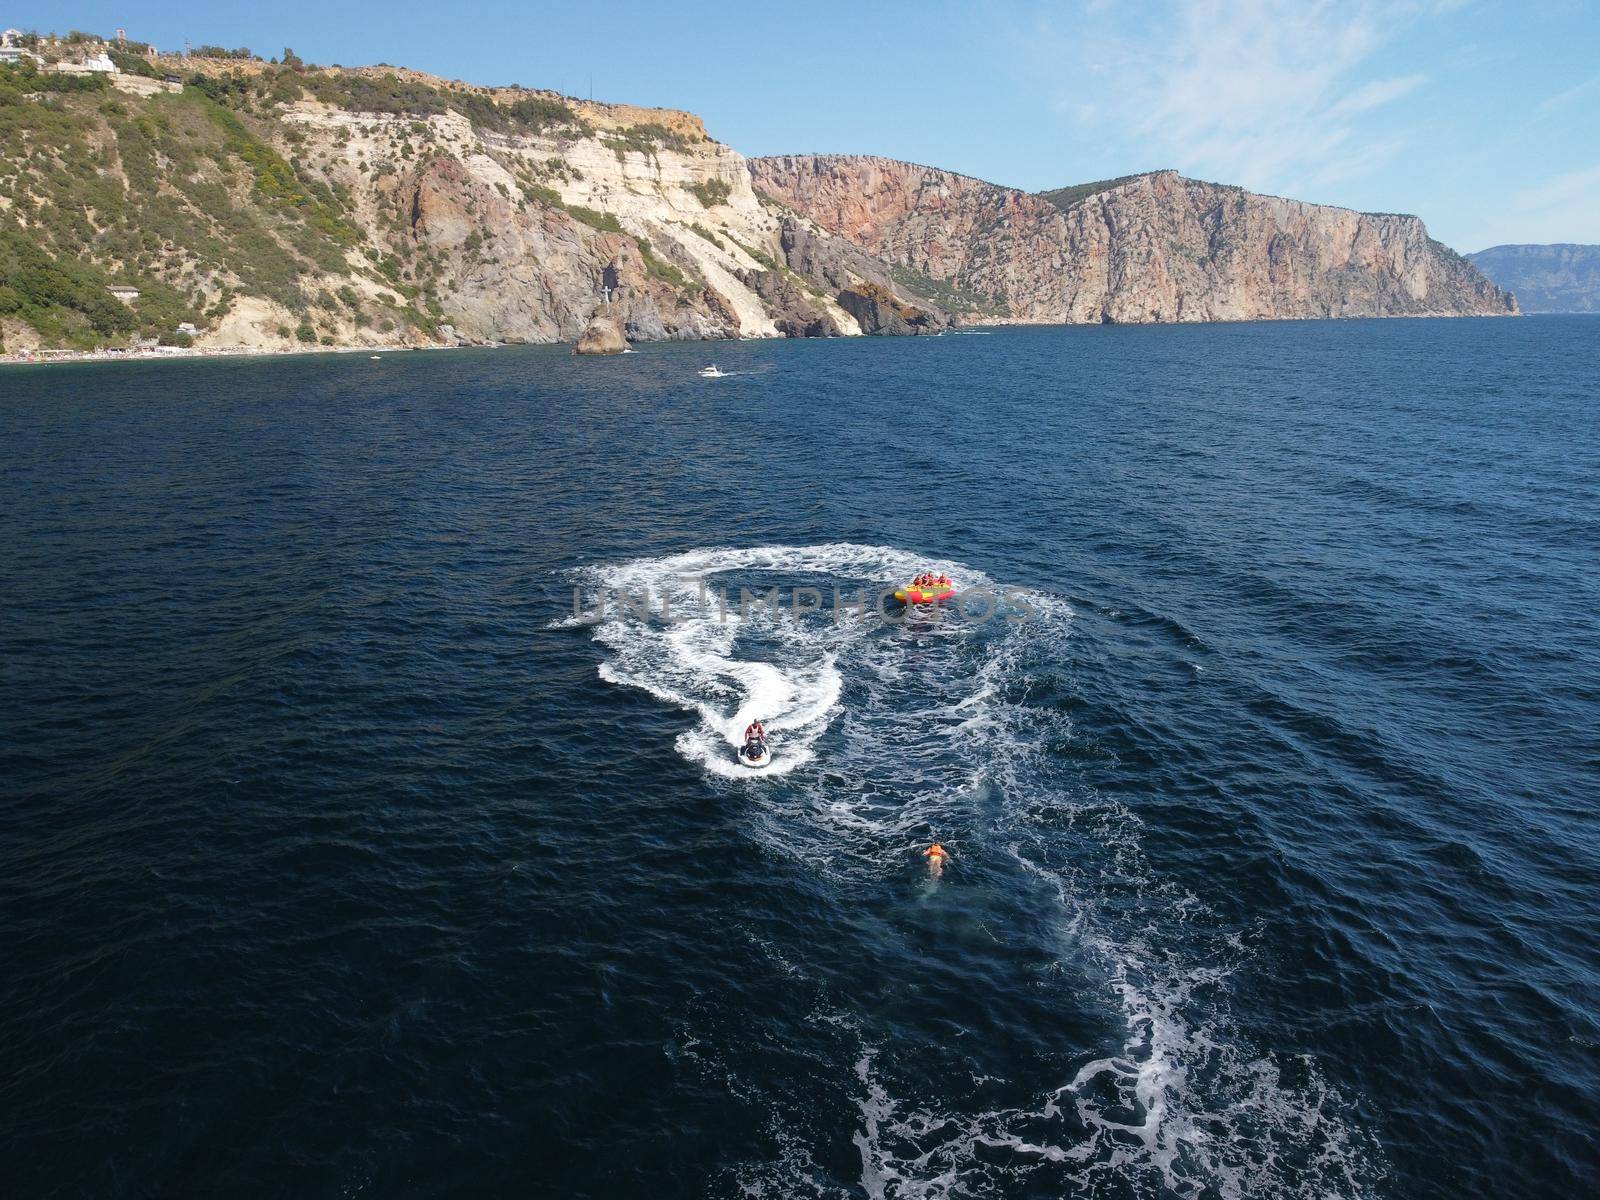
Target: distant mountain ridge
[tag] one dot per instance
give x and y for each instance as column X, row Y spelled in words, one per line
column 1142, row 248
column 1562, row 277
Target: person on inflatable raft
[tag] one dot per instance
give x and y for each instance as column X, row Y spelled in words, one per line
column 926, row 588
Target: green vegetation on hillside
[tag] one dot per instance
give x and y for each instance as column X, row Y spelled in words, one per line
column 68, row 304
column 707, row 234
column 179, row 195
column 665, row 271
column 646, row 139
column 539, row 194
column 761, row 256
column 313, row 202
column 603, row 221
column 410, row 97
column 711, row 192
column 944, row 293
column 204, row 197
column 54, row 177
column 241, row 53
column 23, row 77
column 1069, row 197
column 132, row 64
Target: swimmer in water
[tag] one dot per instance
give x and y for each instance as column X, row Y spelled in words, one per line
column 937, row 856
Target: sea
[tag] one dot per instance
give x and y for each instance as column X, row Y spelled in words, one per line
column 371, row 825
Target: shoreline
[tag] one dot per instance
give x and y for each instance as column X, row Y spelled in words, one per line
column 171, row 353
column 44, row 358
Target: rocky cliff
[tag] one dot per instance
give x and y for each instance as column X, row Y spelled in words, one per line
column 242, row 203
column 275, row 206
column 1155, row 247
column 1560, row 278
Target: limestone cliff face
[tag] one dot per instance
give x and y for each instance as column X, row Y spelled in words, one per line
column 1156, row 247
column 266, row 206
column 273, row 206
column 532, row 229
column 533, row 272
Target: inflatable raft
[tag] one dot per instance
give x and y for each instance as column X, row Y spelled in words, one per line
column 911, row 594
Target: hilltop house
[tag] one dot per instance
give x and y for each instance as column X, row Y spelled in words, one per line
column 98, row 63
column 12, row 48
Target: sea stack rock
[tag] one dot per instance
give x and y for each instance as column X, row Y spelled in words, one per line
column 880, row 312
column 603, row 335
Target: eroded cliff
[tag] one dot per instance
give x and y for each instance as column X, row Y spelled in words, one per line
column 1155, row 247
column 270, row 206
column 241, row 203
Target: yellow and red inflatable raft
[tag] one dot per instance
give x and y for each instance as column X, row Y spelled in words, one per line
column 937, row 593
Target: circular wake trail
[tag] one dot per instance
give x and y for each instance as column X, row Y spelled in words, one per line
column 728, row 662
column 886, row 736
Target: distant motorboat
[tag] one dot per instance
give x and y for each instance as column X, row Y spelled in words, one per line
column 713, row 372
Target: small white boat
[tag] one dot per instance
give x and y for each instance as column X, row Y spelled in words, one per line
column 760, row 759
column 375, row 357
column 713, row 372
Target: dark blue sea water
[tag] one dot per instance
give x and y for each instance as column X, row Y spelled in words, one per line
column 337, row 859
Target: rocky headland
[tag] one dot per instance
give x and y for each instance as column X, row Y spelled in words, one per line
column 225, row 203
column 1154, row 247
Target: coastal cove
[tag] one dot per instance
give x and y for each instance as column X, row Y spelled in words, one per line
column 338, row 858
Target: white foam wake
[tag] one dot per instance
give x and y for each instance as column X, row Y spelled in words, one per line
column 891, row 735
column 729, row 666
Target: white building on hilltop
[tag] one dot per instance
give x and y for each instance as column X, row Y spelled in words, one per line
column 11, row 48
column 90, row 64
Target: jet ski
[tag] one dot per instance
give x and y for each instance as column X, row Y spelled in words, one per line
column 713, row 372
column 755, row 753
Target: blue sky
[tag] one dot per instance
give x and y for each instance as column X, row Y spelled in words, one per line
column 1482, row 117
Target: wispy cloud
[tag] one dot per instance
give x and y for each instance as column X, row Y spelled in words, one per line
column 1564, row 208
column 1567, row 96
column 1562, row 190
column 1272, row 94
column 1376, row 94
